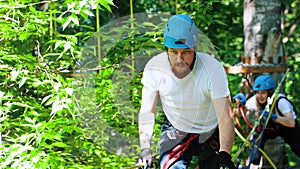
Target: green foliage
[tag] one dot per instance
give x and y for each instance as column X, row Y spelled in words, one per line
column 40, row 124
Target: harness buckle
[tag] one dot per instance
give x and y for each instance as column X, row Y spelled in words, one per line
column 213, row 144
column 174, row 134
column 171, row 134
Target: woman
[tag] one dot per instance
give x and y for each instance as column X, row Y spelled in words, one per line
column 282, row 121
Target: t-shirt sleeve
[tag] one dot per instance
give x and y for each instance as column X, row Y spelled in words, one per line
column 284, row 106
column 219, row 83
column 149, row 79
column 251, row 103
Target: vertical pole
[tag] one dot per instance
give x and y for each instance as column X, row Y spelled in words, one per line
column 51, row 24
column 98, row 38
column 132, row 50
column 1, row 152
column 98, row 54
column 132, row 27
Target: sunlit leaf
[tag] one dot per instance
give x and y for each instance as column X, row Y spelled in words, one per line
column 22, row 82
column 46, row 98
column 69, row 91
column 60, row 144
column 67, row 23
column 14, row 74
column 74, row 19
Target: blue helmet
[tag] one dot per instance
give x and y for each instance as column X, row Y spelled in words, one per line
column 264, row 82
column 180, row 32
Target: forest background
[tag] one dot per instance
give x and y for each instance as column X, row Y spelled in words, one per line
column 62, row 103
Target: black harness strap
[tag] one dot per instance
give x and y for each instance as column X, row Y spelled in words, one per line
column 284, row 97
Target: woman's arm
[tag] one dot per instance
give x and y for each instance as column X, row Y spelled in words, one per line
column 286, row 120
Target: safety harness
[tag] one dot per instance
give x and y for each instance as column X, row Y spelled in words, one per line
column 284, row 97
column 181, row 141
column 175, row 154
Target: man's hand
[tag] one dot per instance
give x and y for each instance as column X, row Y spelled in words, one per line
column 224, row 161
column 266, row 114
column 145, row 157
column 241, row 97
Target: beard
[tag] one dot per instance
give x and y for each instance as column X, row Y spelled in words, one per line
column 181, row 70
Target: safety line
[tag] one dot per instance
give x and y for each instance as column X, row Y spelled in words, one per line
column 262, row 151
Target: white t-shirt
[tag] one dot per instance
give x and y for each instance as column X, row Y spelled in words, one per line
column 187, row 102
column 283, row 105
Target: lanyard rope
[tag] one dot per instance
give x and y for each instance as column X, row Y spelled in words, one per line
column 262, row 152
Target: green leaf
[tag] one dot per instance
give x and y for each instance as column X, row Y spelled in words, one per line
column 56, row 106
column 106, row 4
column 24, row 36
column 57, row 86
column 46, row 98
column 22, row 82
column 2, row 94
column 88, row 12
column 220, row 22
column 74, row 19
column 61, row 144
column 69, row 91
column 22, row 105
column 67, row 46
column 14, row 74
column 57, row 44
column 67, row 23
column 98, row 152
column 30, row 120
column 148, row 24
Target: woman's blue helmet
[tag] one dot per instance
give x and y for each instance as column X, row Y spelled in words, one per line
column 180, row 32
column 264, row 82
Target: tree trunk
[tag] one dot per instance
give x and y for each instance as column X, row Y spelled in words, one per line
column 263, row 46
column 262, row 31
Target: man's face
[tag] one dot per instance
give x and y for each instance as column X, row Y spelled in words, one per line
column 181, row 61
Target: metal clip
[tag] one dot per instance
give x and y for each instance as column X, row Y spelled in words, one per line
column 172, row 134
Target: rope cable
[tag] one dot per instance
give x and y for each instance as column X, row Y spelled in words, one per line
column 248, row 143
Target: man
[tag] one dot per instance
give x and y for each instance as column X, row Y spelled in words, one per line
column 194, row 93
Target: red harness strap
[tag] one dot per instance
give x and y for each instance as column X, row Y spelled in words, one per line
column 177, row 151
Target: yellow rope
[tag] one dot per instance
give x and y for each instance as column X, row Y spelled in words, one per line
column 262, row 151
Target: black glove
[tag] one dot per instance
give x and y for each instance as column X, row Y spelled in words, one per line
column 145, row 157
column 224, row 161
